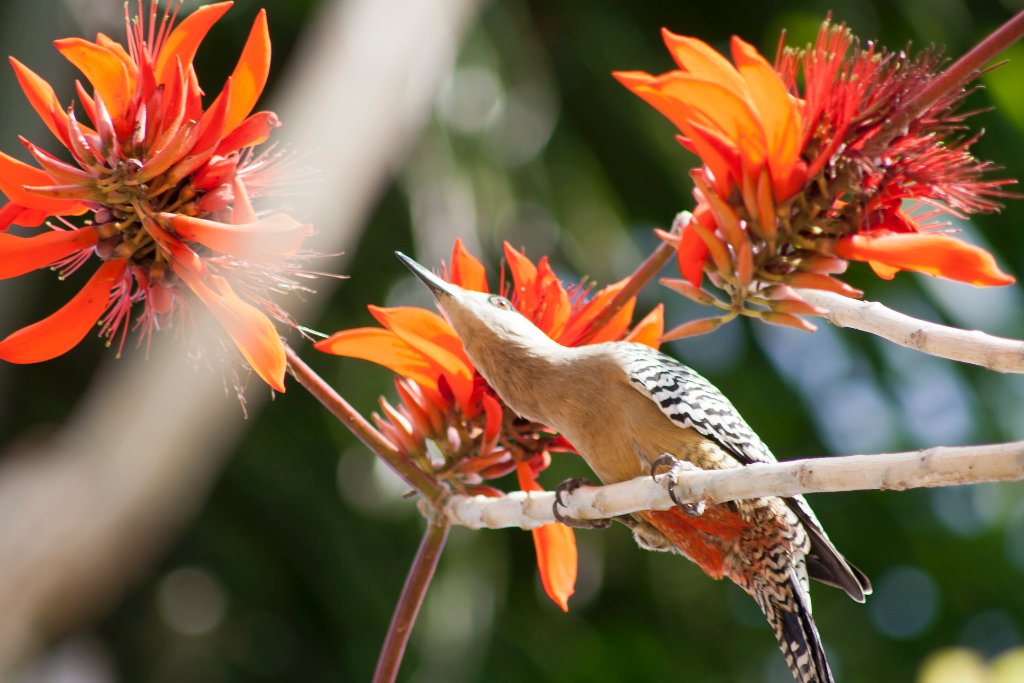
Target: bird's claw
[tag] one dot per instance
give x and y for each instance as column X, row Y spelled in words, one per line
column 567, row 487
column 675, row 467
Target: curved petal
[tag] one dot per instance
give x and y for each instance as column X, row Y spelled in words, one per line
column 385, row 348
column 431, row 334
column 250, row 74
column 276, row 235
column 15, row 175
column 555, row 545
column 693, row 251
column 554, row 307
column 255, row 130
column 778, row 113
column 61, row 331
column 699, row 58
column 20, row 255
column 43, row 99
column 611, row 330
column 649, row 330
column 183, row 42
column 466, row 270
column 719, row 109
column 524, row 275
column 104, row 69
column 934, row 254
column 492, row 424
column 251, row 331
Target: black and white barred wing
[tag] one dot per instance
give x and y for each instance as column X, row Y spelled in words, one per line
column 691, row 401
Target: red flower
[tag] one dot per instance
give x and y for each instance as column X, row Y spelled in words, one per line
column 790, row 181
column 445, row 400
column 169, row 184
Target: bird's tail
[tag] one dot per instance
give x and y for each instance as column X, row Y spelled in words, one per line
column 787, row 606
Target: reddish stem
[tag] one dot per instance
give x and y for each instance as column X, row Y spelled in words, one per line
column 644, row 273
column 413, row 592
column 403, row 466
column 961, row 71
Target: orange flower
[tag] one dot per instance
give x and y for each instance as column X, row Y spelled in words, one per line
column 740, row 119
column 788, row 183
column 168, row 184
column 445, row 400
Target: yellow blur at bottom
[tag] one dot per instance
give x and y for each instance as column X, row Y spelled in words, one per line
column 960, row 665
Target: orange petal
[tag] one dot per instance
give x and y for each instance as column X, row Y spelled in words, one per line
column 524, row 275
column 778, row 113
column 466, row 270
column 385, row 348
column 554, row 307
column 276, row 235
column 250, row 74
column 718, row 108
column 11, row 213
column 700, row 59
column 20, row 255
column 43, row 99
column 104, row 69
column 15, row 175
column 649, row 330
column 492, row 425
column 934, row 254
column 555, row 545
column 252, row 332
column 692, row 254
column 242, row 211
column 717, row 152
column 611, row 330
column 431, row 334
column 184, row 40
column 61, row 331
column 255, row 130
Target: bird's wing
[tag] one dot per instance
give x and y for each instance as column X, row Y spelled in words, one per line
column 692, row 402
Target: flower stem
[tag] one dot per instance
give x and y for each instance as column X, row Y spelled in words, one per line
column 413, row 592
column 644, row 273
column 961, row 71
column 426, row 485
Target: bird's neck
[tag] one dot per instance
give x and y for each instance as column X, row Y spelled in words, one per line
column 523, row 372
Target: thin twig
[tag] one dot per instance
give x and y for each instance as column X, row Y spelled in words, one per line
column 423, row 483
column 643, row 274
column 965, row 68
column 967, row 346
column 939, row 466
column 413, row 592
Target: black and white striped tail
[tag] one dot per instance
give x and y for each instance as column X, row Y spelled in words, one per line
column 788, row 610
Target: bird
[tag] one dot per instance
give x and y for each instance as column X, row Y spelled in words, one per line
column 629, row 410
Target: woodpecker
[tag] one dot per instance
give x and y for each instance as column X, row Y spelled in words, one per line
column 628, row 409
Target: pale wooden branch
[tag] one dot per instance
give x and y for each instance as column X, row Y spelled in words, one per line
column 939, row 466
column 967, row 346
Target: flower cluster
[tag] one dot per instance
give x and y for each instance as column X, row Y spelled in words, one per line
column 169, row 185
column 793, row 185
column 444, row 401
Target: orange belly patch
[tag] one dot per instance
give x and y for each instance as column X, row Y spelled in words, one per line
column 702, row 538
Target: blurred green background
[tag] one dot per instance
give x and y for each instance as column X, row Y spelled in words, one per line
column 292, row 568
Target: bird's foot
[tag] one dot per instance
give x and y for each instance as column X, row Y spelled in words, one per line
column 675, row 468
column 565, row 488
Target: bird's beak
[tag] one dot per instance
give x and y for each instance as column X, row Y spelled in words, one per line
column 436, row 285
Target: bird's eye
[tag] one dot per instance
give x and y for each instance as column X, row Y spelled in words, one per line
column 501, row 302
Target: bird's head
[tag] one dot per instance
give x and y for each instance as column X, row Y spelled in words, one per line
column 484, row 322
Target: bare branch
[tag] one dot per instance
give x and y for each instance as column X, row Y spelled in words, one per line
column 939, row 466
column 967, row 346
